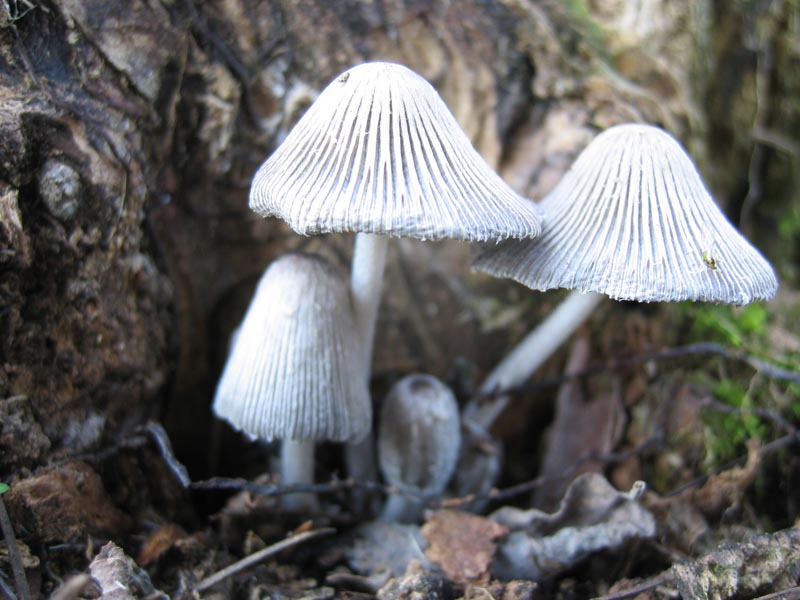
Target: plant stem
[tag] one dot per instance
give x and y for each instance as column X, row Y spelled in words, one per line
column 402, row 509
column 297, row 466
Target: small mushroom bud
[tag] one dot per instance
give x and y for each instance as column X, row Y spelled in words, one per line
column 418, row 443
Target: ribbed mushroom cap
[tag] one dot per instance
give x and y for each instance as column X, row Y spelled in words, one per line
column 633, row 220
column 294, row 370
column 420, row 434
column 379, row 152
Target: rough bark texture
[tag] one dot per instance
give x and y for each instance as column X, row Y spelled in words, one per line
column 129, row 133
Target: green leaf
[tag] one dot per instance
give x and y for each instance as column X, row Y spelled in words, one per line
column 4, row 488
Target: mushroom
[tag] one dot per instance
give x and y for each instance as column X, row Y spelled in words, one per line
column 294, row 372
column 418, row 444
column 379, row 153
column 633, row 220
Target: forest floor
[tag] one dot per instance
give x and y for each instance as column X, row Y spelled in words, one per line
column 679, row 423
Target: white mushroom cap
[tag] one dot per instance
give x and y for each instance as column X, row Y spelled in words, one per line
column 294, row 371
column 379, row 152
column 633, row 220
column 420, row 434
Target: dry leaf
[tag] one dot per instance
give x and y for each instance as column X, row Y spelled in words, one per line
column 582, row 427
column 462, row 544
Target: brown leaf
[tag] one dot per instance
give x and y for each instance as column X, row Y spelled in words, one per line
column 582, row 427
column 462, row 544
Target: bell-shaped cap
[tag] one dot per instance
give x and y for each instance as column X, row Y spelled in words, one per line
column 420, row 434
column 294, row 368
column 379, row 152
column 632, row 219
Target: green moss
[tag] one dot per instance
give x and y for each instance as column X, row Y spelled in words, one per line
column 728, row 433
column 734, row 326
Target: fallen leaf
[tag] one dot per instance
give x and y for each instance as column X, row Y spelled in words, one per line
column 462, row 544
column 582, row 427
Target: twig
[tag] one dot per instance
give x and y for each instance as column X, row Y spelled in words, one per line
column 769, row 370
column 651, row 584
column 763, row 413
column 787, row 594
column 161, row 439
column 257, row 557
column 5, row 588
column 533, row 484
column 275, row 489
column 766, row 449
column 17, row 567
column 612, row 457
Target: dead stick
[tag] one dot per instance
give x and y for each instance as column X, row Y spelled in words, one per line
column 257, row 557
column 659, row 580
column 767, row 369
column 787, row 594
column 18, row 568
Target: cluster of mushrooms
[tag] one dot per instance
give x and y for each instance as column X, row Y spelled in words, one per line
column 379, row 154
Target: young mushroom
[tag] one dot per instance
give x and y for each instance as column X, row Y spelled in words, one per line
column 418, row 444
column 379, row 153
column 294, row 371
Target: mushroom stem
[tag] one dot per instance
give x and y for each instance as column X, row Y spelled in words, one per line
column 297, row 466
column 366, row 283
column 529, row 354
column 402, row 509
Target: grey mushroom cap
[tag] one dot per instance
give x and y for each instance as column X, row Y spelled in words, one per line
column 633, row 220
column 379, row 152
column 419, row 435
column 294, row 369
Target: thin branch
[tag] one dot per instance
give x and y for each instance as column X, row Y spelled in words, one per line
column 665, row 578
column 276, row 489
column 787, row 594
column 533, row 484
column 766, row 449
column 257, row 557
column 17, row 566
column 609, row 458
column 765, row 368
column 161, row 439
column 763, row 413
